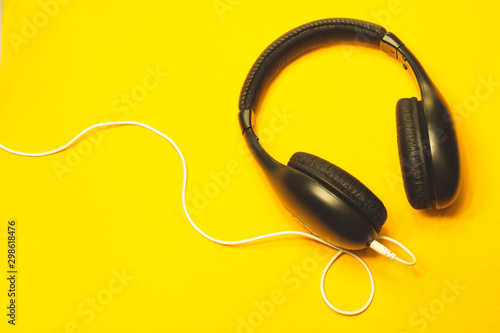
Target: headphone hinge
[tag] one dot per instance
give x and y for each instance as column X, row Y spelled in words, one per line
column 246, row 119
column 391, row 45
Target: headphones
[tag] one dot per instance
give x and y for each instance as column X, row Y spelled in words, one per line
column 330, row 202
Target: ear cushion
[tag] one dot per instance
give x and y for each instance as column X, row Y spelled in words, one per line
column 412, row 138
column 343, row 184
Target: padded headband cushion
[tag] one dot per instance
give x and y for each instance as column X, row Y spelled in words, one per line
column 342, row 184
column 412, row 130
column 299, row 41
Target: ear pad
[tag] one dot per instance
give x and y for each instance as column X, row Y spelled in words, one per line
column 413, row 144
column 342, row 184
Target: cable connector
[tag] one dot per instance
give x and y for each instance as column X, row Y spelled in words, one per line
column 382, row 249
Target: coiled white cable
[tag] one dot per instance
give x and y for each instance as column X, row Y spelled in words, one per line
column 377, row 246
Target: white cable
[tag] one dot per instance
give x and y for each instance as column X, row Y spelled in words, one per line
column 322, row 285
column 386, row 252
column 222, row 242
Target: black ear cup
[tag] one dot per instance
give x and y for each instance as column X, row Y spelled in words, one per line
column 413, row 144
column 342, row 184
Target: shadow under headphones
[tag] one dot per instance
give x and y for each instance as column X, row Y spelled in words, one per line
column 329, row 201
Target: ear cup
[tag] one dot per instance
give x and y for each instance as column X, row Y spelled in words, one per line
column 342, row 184
column 413, row 150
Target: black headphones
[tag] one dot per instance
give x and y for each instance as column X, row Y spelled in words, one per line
column 329, row 201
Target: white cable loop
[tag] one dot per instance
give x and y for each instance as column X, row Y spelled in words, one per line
column 243, row 241
column 322, row 285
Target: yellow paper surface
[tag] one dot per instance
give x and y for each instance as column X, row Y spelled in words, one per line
column 102, row 244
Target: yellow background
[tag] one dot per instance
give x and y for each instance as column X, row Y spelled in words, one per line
column 111, row 204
